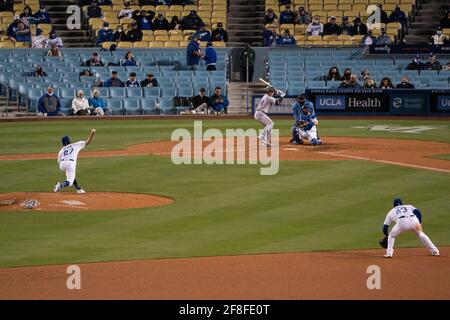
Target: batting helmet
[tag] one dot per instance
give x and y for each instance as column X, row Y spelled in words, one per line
column 65, row 140
column 271, row 89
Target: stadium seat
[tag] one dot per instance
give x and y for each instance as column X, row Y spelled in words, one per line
column 134, row 92
column 132, row 106
column 148, row 106
column 151, row 92
column 115, row 105
column 117, row 92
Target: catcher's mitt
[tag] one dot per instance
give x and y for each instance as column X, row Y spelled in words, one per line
column 302, row 123
column 383, row 242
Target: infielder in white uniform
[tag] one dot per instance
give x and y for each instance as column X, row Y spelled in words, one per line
column 67, row 160
column 406, row 218
column 267, row 102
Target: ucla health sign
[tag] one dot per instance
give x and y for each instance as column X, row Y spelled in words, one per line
column 355, row 101
column 443, row 103
column 330, row 102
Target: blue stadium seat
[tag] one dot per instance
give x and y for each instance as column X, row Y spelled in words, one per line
column 132, row 106
column 148, row 106
column 316, row 84
column 439, row 84
column 115, row 105
column 185, row 92
column 134, row 92
column 117, row 92
column 151, row 92
column 168, row 92
column 67, row 93
column 166, row 105
column 104, row 92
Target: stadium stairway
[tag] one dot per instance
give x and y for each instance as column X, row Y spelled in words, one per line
column 245, row 22
column 71, row 38
column 237, row 95
column 426, row 22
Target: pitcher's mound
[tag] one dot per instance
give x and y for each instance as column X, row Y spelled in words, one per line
column 67, row 201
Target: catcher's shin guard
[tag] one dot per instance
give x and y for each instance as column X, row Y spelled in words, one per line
column 296, row 136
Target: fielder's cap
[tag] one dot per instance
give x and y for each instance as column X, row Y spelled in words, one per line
column 397, row 202
column 16, row 17
column 133, row 74
column 202, row 89
column 65, row 140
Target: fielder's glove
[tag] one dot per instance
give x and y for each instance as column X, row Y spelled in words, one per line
column 384, row 242
column 302, row 123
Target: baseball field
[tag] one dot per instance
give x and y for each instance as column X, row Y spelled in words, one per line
column 223, row 231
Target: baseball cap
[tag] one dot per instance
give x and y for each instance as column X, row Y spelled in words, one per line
column 114, row 72
column 220, row 24
column 106, row 24
column 397, row 202
column 133, row 74
column 302, row 96
column 202, row 89
column 332, row 18
column 16, row 17
column 357, row 19
column 149, row 74
column 431, row 54
column 345, row 18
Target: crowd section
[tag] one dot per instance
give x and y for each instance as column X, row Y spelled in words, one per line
column 87, row 82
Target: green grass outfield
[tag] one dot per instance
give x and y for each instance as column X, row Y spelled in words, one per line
column 218, row 210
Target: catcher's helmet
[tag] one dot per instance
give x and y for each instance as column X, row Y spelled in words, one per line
column 65, row 140
column 398, row 202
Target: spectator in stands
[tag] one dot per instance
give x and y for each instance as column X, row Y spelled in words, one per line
column 150, row 81
column 22, row 34
column 333, row 75
column 38, row 72
column 126, row 12
column 203, row 34
column 350, row 84
column 383, row 15
column 398, row 16
column 97, row 104
column 439, row 38
column 175, row 24
column 331, row 28
column 200, row 102
column 119, row 35
column 132, row 82
column 433, row 63
column 386, row 83
column 161, row 23
column 285, row 39
column 416, row 64
column 13, row 27
column 365, row 74
column 39, row 41
column 404, row 83
column 270, row 17
column 54, row 51
column 247, row 58
column 369, row 39
column 210, row 57
column 269, row 35
column 49, row 104
column 27, row 16
column 191, row 22
column 134, row 35
column 128, row 60
column 105, row 34
column 114, row 81
column 80, row 105
column 346, row 27
column 315, row 28
column 347, row 74
column 42, row 15
column 193, row 53
column 359, row 28
column 446, row 67
column 218, row 102
column 287, row 16
column 54, row 39
column 383, row 38
column 445, row 22
column 144, row 19
column 94, row 11
column 86, row 73
column 94, row 61
column 6, row 5
column 303, row 16
column 219, row 34
column 369, row 84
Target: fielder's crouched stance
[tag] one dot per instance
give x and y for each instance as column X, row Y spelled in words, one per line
column 67, row 160
column 406, row 218
column 305, row 128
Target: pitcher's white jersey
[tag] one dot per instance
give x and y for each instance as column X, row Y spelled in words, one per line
column 266, row 103
column 402, row 211
column 70, row 152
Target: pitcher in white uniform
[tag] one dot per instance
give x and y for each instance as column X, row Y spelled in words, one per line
column 67, row 160
column 406, row 218
column 267, row 102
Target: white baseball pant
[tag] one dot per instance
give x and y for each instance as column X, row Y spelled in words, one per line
column 70, row 168
column 310, row 134
column 267, row 122
column 408, row 224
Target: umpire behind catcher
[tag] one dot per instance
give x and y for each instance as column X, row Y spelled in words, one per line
column 297, row 112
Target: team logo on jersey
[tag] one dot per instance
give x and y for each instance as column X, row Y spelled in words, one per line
column 30, row 204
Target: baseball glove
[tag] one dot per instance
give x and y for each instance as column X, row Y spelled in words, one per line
column 383, row 242
column 302, row 123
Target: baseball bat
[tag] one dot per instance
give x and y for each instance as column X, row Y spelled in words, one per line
column 268, row 84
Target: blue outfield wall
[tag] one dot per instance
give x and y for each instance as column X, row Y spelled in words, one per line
column 369, row 102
